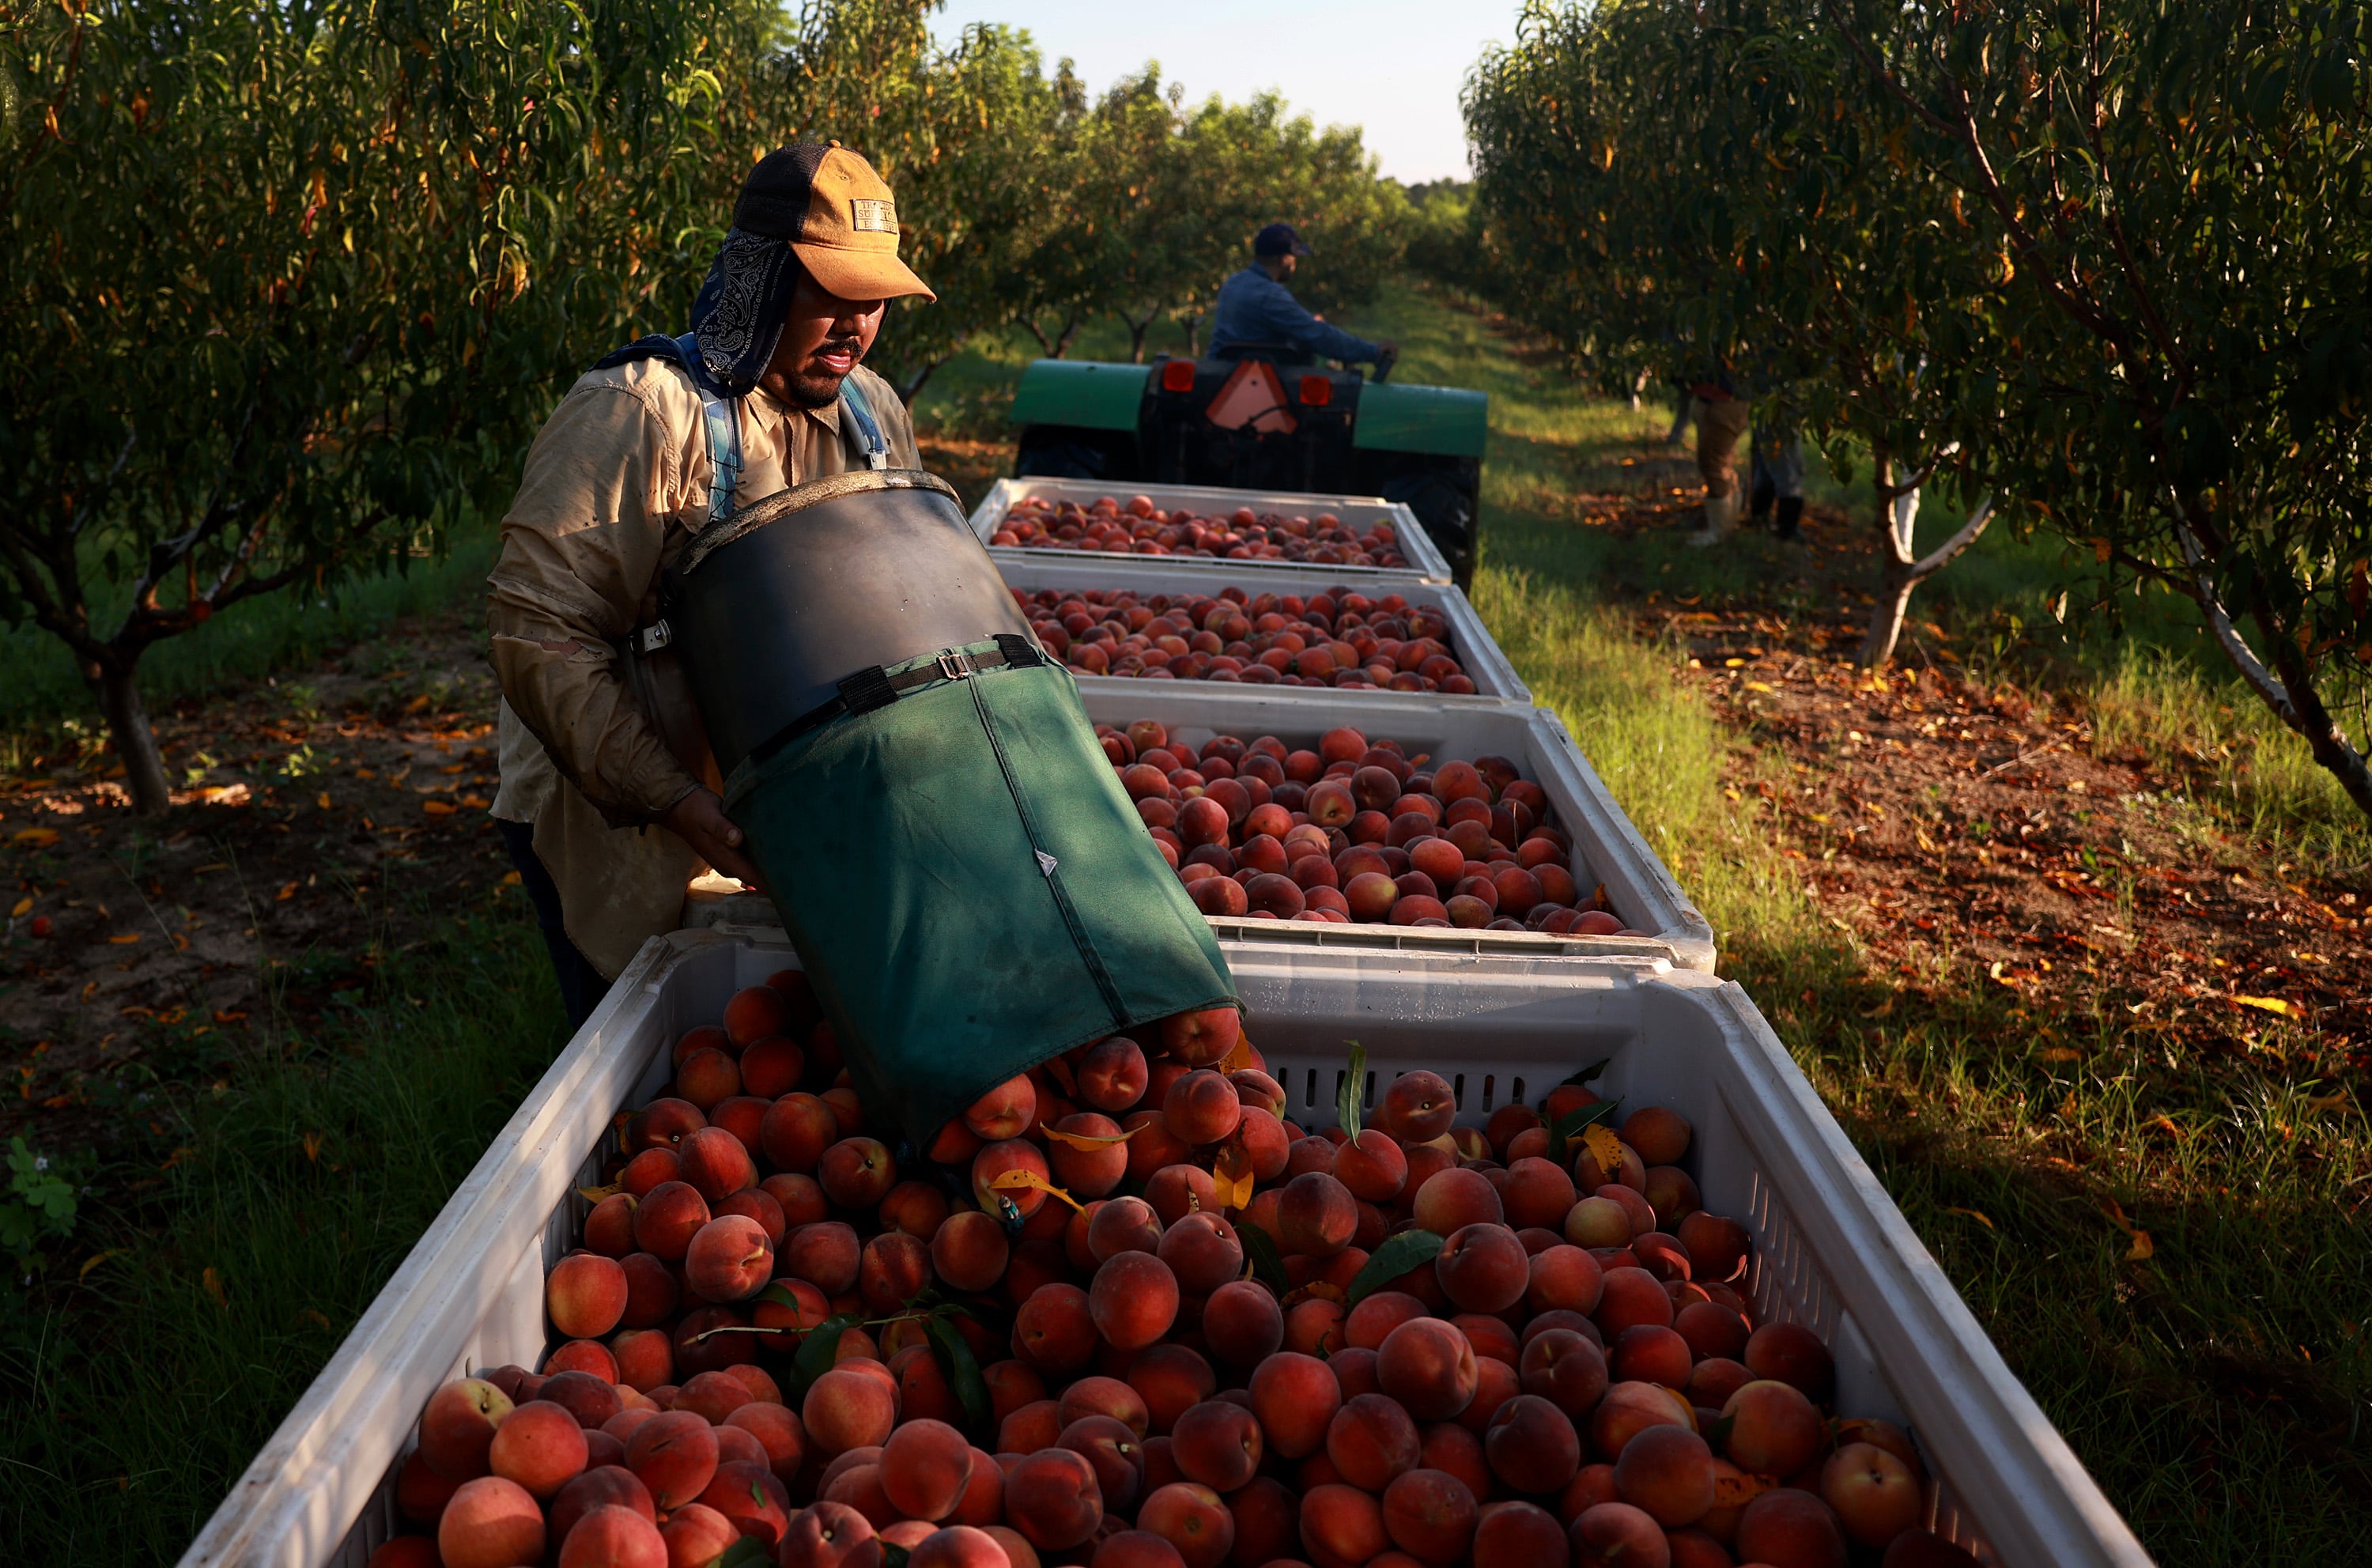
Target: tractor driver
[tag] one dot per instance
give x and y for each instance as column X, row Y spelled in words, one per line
column 1254, row 307
column 604, row 823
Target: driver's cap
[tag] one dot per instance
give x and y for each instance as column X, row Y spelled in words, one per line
column 838, row 216
column 1279, row 240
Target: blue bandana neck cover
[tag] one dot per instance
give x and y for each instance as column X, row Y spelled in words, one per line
column 738, row 316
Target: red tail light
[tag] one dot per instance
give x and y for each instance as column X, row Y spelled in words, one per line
column 1317, row 391
column 1178, row 375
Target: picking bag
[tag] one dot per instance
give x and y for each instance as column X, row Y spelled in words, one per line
column 970, row 889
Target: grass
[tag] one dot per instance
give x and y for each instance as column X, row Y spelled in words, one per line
column 298, row 1185
column 2217, row 1390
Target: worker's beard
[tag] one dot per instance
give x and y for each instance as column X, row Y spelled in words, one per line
column 820, row 388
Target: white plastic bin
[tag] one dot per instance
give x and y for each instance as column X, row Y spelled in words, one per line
column 1831, row 1248
column 1470, row 643
column 1424, row 559
column 1606, row 846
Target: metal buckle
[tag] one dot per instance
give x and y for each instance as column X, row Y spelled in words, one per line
column 653, row 637
column 955, row 664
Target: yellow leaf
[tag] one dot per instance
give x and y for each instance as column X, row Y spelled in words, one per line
column 124, row 939
column 1756, row 686
column 1972, row 1214
column 1231, row 1173
column 510, row 879
column 322, row 800
column 94, row 1260
column 1239, row 1055
column 1017, row 1179
column 287, row 891
column 2272, row 1004
column 2060, row 1054
column 213, row 1281
column 2142, row 1246
column 2101, row 550
column 1738, row 1489
column 2328, row 1102
column 22, row 905
column 33, row 838
column 312, row 1146
column 312, row 1315
column 1603, row 1146
column 437, row 808
column 1733, row 664
column 595, row 1194
column 1089, row 1142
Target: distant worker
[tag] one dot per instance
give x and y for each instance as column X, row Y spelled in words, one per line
column 1255, row 307
column 1777, row 477
column 1720, row 401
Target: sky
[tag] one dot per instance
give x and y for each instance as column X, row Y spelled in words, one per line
column 1392, row 67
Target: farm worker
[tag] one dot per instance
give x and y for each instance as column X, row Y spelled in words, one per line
column 604, row 823
column 1721, row 409
column 1254, row 307
column 1775, row 478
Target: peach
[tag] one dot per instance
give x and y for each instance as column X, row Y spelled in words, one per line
column 1056, row 1329
column 1295, row 1398
column 1483, row 1268
column 1177, row 1190
column 1377, row 1314
column 1124, row 1225
column 663, row 1123
column 796, row 1130
column 1616, row 1533
column 1011, row 1385
column 1713, row 1380
column 1566, row 1369
column 891, row 1271
column 1660, row 1136
column 778, row 1432
column 1201, row 1037
column 1317, row 1215
column 1645, row 1354
column 1710, row 1330
column 1630, row 1297
column 706, row 1077
column 1007, row 1110
column 1791, row 1353
column 1538, row 1192
column 970, row 1251
column 667, row 1219
column 1342, row 1526
column 918, row 1208
column 1051, row 1497
column 420, row 1492
column 998, row 1159
column 1257, row 1091
column 1667, row 1472
column 1598, row 1222
column 1243, row 1322
column 1370, row 1440
column 1788, row 1529
column 591, row 1399
column 1202, row 1251
column 747, row 1493
column 490, row 1523
column 1217, row 1443
column 828, row 1534
column 1630, row 1170
column 1874, row 1495
column 1661, row 1256
column 1521, row 1534
column 1630, row 1408
column 606, row 1486
column 1924, row 1549
column 407, row 1551
column 1532, row 1444
column 1116, row 1454
column 744, row 1117
column 1491, row 1337
column 729, row 1258
column 848, row 1408
column 646, row 1170
column 1495, row 1384
column 1591, row 1485
column 1773, row 1429
column 1192, row 1519
column 1314, row 1327
column 1170, row 1378
column 1267, row 1522
column 1106, row 1396
column 1202, row 1107
column 1428, row 1366
column 799, row 1196
column 1430, row 1514
column 582, row 1355
column 609, row 1228
column 856, row 1173
column 957, row 1546
column 458, row 1427
column 1112, row 1076
column 984, row 1499
column 675, row 1456
column 754, row 1012
column 1093, row 1171
column 1372, row 1166
column 1134, row 1300
column 1029, row 1428
column 1454, row 1199
column 827, row 1255
column 540, row 1446
column 1672, row 1194
column 1418, row 1107
column 712, row 1396
column 1562, row 1278
column 925, row 1467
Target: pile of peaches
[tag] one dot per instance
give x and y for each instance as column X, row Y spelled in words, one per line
column 1139, row 528
column 1123, row 1313
column 1354, row 832
column 1336, row 638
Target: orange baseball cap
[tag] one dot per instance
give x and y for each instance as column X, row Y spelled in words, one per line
column 838, row 216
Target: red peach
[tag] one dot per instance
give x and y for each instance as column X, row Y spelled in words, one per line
column 1318, row 1213
column 1202, row 1251
column 1430, row 1514
column 609, row 1228
column 998, row 1159
column 892, row 1270
column 663, row 1123
column 1092, row 1171
column 1342, row 1527
column 1566, row 1369
column 796, row 1130
column 1052, row 1498
column 1773, row 1429
column 1667, row 1472
column 747, row 1493
column 1429, row 1366
column 1377, row 1314
column 1483, row 1268
column 957, row 1546
column 1177, row 1190
column 1788, row 1529
column 1192, row 1518
column 1631, row 1298
column 1521, row 1534
column 1454, row 1199
column 1202, row 1107
column 1630, row 1408
column 1267, row 1523
column 828, row 1534
column 1874, row 1495
column 1170, row 1378
column 675, row 1456
column 1106, row 1396
column 848, row 1408
column 1243, row 1322
column 1615, row 1534
column 667, row 1219
column 1295, row 1396
column 1112, row 1076
column 1134, row 1300
column 1792, row 1353
column 607, row 1486
column 458, row 1427
column 1370, row 1440
column 1532, row 1444
column 827, row 1255
column 1007, row 1110
column 925, row 1465
column 540, row 1446
column 490, row 1523
column 970, row 1251
column 1056, row 1329
column 1314, row 1327
column 855, row 1173
column 728, row 1259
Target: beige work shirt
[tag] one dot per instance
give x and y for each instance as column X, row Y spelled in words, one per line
column 616, row 485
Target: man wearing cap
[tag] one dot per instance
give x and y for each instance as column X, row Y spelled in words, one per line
column 766, row 391
column 1255, row 307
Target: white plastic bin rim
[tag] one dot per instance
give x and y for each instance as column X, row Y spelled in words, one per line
column 1425, row 558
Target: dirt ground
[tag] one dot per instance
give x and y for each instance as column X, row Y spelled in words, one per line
column 1945, row 821
column 319, row 822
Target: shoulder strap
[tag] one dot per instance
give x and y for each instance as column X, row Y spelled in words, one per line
column 720, row 415
column 861, row 430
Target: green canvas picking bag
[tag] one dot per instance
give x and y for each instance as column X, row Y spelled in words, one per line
column 970, row 888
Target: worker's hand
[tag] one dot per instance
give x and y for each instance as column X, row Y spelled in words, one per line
column 1388, row 349
column 699, row 821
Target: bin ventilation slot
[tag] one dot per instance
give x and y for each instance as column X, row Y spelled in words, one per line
column 1487, row 1081
column 1515, row 1091
column 1457, row 1091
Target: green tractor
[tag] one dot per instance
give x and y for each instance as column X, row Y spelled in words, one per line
column 1251, row 421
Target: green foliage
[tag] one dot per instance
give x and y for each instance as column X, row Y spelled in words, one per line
column 2111, row 270
column 38, row 1207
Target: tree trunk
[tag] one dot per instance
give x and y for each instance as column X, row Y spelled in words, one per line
column 1136, row 330
column 1194, row 336
column 912, row 388
column 135, row 740
column 1903, row 572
